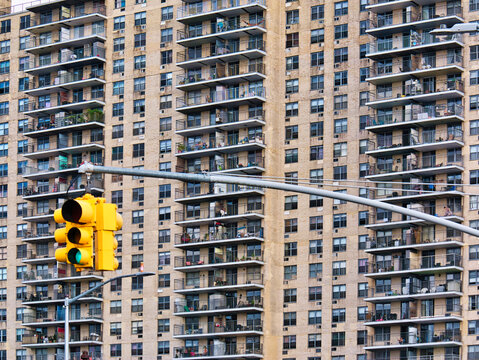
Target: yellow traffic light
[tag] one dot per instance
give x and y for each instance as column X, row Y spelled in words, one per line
column 79, row 216
column 107, row 222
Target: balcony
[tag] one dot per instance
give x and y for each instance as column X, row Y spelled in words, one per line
column 217, row 306
column 54, row 318
column 224, row 122
column 68, row 81
column 423, row 265
column 251, row 164
column 33, row 215
column 416, row 290
column 419, row 67
column 58, row 298
column 49, row 108
column 41, row 45
column 208, row 10
column 53, row 276
column 416, row 191
column 242, row 235
column 219, row 328
column 438, row 314
column 226, row 77
column 382, row 25
column 55, row 168
column 213, row 284
column 33, row 236
column 209, row 147
column 225, row 30
column 425, row 165
column 91, row 12
column 221, row 351
column 201, row 263
column 35, row 340
column 417, row 92
column 379, row 6
column 414, row 240
column 35, row 151
column 88, row 55
column 408, row 45
column 229, row 97
column 76, row 122
column 58, row 190
column 428, row 140
column 387, row 220
column 34, row 257
column 205, row 215
column 222, row 53
column 227, row 191
column 416, row 115
column 417, row 339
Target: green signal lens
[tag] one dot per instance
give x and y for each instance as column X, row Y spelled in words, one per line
column 74, row 256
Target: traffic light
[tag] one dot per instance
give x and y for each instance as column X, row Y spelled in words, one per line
column 79, row 216
column 107, row 222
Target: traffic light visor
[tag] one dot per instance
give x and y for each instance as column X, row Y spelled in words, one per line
column 77, row 211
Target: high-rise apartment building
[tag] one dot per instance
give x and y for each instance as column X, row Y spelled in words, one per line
column 352, row 96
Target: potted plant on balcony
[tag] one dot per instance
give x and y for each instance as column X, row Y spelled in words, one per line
column 94, row 115
column 181, row 147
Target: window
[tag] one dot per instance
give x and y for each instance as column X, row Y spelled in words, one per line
column 163, row 303
column 339, row 221
column 291, row 132
column 289, row 319
column 136, row 349
column 363, row 218
column 363, row 98
column 165, row 146
column 119, row 23
column 118, row 88
column 292, row 63
column 140, row 39
column 166, row 101
column 166, row 79
column 339, row 268
column 291, row 109
column 362, row 289
column 341, row 55
column 4, row 67
column 473, row 252
column 317, row 36
column 4, row 46
column 341, row 31
column 163, row 347
column 164, row 258
column 291, row 156
column 339, row 244
column 341, row 8
column 290, row 202
column 362, row 311
column 315, row 293
column 314, row 317
column 315, row 270
column 362, row 266
column 292, row 17
column 167, row 13
column 115, row 350
column 137, row 216
column 119, row 44
column 473, row 277
column 166, row 35
column 363, row 27
column 23, row 63
column 317, row 58
column 315, row 223
column 292, row 40
column 139, row 106
column 474, row 49
column 140, row 18
column 164, row 280
column 165, row 191
column 117, row 153
column 165, row 124
column 473, row 6
column 338, row 338
column 291, row 177
column 163, row 325
column 289, row 295
column 290, row 249
column 341, row 78
column 5, row 26
column 118, row 109
column 315, row 201
column 24, row 22
column 290, row 272
column 316, row 176
column 289, row 342
column 340, row 149
column 340, row 102
column 292, row 86
column 117, row 131
column 340, row 172
column 317, row 82
column 166, row 57
column 316, row 106
column 338, row 315
column 317, row 12
column 315, row 246
column 118, row 66
column 140, row 62
column 361, row 338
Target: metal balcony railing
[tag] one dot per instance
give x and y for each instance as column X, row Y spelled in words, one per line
column 216, row 74
column 228, row 163
column 413, row 163
column 198, row 260
column 218, row 327
column 221, row 49
column 56, row 188
column 87, row 9
column 53, row 166
column 67, row 55
column 34, row 147
column 422, row 313
column 211, row 281
column 440, row 210
column 222, row 212
column 183, row 306
column 401, row 263
column 87, row 31
column 421, row 189
column 416, row 287
column 49, row 274
column 46, row 105
column 51, row 316
column 67, row 78
column 207, row 143
column 209, row 6
column 223, row 117
column 220, row 28
column 32, row 337
column 205, row 191
column 412, row 238
column 48, row 296
column 62, row 121
column 240, row 232
column 416, row 113
column 410, row 42
column 218, row 350
column 414, row 338
column 236, row 93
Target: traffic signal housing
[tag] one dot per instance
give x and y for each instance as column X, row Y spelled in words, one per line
column 80, row 218
column 107, row 222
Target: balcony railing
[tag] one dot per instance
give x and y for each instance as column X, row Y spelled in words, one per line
column 417, row 113
column 402, row 263
column 51, row 316
column 218, row 327
column 33, row 147
column 47, row 105
column 67, row 78
column 218, row 350
column 87, row 9
column 426, row 137
column 220, row 28
column 413, row 163
column 63, row 121
column 221, row 49
column 417, row 63
column 51, row 296
column 414, row 338
column 241, row 279
column 439, row 210
column 239, row 233
column 193, row 260
column 50, row 274
column 220, row 96
column 412, row 189
column 410, row 42
column 58, row 187
column 223, row 118
column 206, row 212
column 182, row 306
column 413, row 238
column 67, row 55
column 216, row 74
column 53, row 166
column 228, row 163
column 422, row 313
column 206, row 144
column 229, row 189
column 89, row 30
column 418, row 89
column 416, row 288
column 31, row 337
column 206, row 7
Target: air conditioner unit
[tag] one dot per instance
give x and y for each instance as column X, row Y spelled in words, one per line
column 121, row 52
column 143, row 70
column 321, row 91
column 321, row 21
column 140, row 314
column 122, row 31
column 142, row 48
column 336, row 88
column 336, row 18
column 162, row 45
column 121, row 96
column 143, row 27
